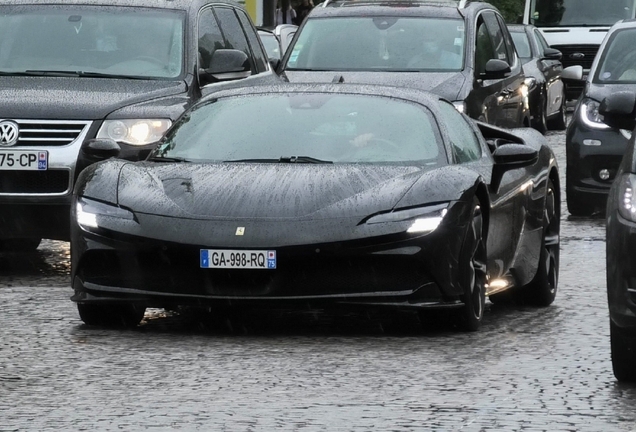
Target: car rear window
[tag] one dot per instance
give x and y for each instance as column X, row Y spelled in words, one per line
column 618, row 59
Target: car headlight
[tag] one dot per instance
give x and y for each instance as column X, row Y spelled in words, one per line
column 134, row 131
column 88, row 213
column 424, row 220
column 590, row 115
column 626, row 197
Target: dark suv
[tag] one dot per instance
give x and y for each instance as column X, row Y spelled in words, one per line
column 460, row 50
column 80, row 77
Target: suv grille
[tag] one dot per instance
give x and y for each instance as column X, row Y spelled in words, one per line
column 37, row 133
column 572, row 52
column 34, row 182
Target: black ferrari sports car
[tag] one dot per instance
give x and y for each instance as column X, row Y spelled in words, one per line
column 317, row 195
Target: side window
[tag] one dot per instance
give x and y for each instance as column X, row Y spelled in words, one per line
column 233, row 32
column 465, row 144
column 259, row 56
column 543, row 44
column 497, row 37
column 483, row 50
column 510, row 45
column 210, row 38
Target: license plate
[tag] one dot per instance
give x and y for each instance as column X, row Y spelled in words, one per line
column 238, row 259
column 23, row 160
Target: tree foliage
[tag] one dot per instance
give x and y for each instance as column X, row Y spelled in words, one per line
column 510, row 9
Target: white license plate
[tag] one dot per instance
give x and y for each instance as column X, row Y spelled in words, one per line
column 24, row 160
column 238, row 259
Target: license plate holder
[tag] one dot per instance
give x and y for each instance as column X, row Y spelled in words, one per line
column 238, row 259
column 24, row 160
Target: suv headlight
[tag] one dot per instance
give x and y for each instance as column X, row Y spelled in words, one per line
column 590, row 116
column 88, row 213
column 424, row 220
column 134, row 131
column 627, row 197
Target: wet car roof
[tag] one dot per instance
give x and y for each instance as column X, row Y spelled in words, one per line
column 397, row 7
column 162, row 4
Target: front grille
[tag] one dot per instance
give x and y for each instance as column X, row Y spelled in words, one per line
column 38, row 133
column 34, row 182
column 176, row 270
column 571, row 54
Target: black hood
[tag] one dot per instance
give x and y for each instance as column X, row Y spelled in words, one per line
column 444, row 84
column 263, row 191
column 71, row 98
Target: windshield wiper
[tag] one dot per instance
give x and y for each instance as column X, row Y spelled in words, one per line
column 303, row 159
column 253, row 160
column 71, row 73
column 167, row 159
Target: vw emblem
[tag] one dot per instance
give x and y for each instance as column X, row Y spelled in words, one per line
column 9, row 132
column 577, row 56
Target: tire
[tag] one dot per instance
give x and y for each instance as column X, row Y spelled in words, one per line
column 539, row 121
column 623, row 354
column 541, row 291
column 559, row 122
column 472, row 270
column 120, row 315
column 20, row 244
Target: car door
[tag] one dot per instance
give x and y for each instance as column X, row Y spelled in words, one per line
column 510, row 98
column 551, row 69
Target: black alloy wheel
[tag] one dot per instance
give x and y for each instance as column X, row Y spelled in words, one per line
column 473, row 271
column 623, row 348
column 542, row 290
column 118, row 315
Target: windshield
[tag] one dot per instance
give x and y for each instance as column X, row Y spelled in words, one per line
column 565, row 13
column 522, row 44
column 379, row 43
column 618, row 60
column 271, row 45
column 336, row 128
column 112, row 41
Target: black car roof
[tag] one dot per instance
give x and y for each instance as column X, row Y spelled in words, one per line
column 160, row 4
column 427, row 8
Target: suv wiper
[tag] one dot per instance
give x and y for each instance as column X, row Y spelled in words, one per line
column 303, row 159
column 36, row 72
column 253, row 160
column 167, row 159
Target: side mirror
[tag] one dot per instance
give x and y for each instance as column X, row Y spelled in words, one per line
column 553, row 54
column 100, row 149
column 229, row 64
column 511, row 156
column 572, row 73
column 618, row 109
column 496, row 69
column 274, row 63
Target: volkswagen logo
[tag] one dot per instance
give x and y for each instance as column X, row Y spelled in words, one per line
column 9, row 132
column 577, row 56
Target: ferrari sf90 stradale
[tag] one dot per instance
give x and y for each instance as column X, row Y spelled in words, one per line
column 317, row 195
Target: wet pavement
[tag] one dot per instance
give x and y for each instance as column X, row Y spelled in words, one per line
column 527, row 369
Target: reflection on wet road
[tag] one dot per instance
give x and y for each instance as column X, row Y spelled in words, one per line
column 527, row 369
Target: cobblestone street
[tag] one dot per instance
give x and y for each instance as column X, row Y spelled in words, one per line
column 527, row 369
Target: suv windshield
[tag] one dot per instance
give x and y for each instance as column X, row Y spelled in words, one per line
column 314, row 127
column 379, row 43
column 618, row 60
column 565, row 13
column 66, row 40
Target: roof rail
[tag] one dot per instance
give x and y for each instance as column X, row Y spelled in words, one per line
column 461, row 4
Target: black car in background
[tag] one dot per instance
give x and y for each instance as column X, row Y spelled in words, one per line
column 619, row 112
column 542, row 67
column 594, row 149
column 119, row 72
column 459, row 50
column 363, row 195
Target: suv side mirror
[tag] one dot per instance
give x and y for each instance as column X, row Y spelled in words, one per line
column 618, row 109
column 100, row 149
column 572, row 73
column 552, row 54
column 229, row 64
column 496, row 69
